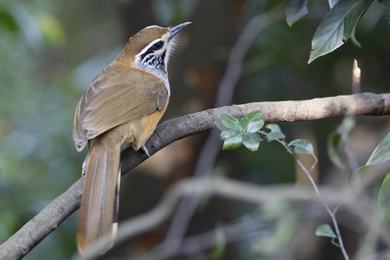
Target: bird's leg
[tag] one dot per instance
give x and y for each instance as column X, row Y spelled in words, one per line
column 84, row 166
column 145, row 150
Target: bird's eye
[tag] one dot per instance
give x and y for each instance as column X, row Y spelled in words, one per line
column 157, row 45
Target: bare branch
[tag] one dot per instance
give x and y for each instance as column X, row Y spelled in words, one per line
column 58, row 210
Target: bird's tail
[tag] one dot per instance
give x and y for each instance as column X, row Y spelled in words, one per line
column 99, row 203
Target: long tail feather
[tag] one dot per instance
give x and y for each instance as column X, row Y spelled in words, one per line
column 98, row 210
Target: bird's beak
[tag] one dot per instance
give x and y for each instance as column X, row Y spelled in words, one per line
column 173, row 31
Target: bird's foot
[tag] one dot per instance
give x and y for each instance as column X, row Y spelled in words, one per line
column 84, row 167
column 145, row 150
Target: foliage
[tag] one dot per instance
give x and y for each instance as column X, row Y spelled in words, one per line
column 380, row 156
column 325, row 231
column 336, row 28
column 235, row 132
column 338, row 140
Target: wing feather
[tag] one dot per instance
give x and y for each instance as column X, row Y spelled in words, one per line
column 118, row 95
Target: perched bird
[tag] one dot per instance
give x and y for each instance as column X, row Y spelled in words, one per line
column 121, row 107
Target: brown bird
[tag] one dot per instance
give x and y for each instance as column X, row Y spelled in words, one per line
column 121, row 107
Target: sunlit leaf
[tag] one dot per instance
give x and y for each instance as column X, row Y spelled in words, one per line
column 252, row 122
column 384, row 197
column 275, row 133
column 228, row 122
column 361, row 171
column 295, row 10
column 381, row 153
column 228, row 133
column 301, row 146
column 232, row 142
column 251, row 141
column 337, row 26
column 325, row 231
column 51, row 29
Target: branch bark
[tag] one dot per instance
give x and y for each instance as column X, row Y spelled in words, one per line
column 24, row 240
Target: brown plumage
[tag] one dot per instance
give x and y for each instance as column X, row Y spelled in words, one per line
column 122, row 106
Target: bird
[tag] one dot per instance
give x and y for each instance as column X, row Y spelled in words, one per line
column 121, row 108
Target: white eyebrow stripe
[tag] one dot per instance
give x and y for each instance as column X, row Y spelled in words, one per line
column 151, row 26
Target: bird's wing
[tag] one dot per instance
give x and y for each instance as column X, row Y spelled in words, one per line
column 118, row 95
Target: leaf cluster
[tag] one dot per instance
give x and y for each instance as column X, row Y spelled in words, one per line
column 336, row 28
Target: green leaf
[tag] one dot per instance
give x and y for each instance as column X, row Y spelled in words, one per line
column 51, row 29
column 384, row 197
column 334, row 142
column 7, row 21
column 381, row 153
column 354, row 40
column 252, row 122
column 232, row 142
column 301, row 146
column 251, row 141
column 353, row 17
column 361, row 171
column 325, row 231
column 228, row 122
column 337, row 26
column 225, row 134
column 254, row 126
column 275, row 133
column 338, row 139
column 346, row 127
column 295, row 10
column 220, row 244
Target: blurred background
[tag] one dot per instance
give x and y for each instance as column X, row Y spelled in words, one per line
column 51, row 50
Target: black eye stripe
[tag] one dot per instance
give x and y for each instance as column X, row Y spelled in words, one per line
column 158, row 45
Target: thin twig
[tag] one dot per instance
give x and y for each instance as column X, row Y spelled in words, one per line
column 324, row 203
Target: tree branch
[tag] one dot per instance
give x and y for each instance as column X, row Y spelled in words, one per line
column 19, row 244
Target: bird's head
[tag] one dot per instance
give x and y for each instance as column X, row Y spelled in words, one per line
column 152, row 47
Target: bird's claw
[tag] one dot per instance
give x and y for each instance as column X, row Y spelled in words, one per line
column 145, row 150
